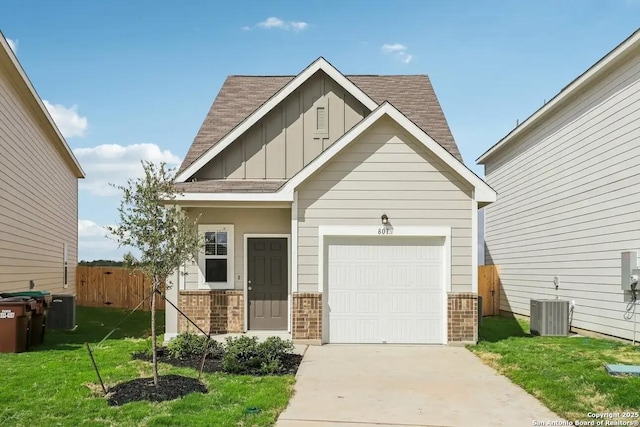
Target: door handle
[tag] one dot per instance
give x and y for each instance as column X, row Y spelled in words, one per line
column 249, row 287
column 249, row 281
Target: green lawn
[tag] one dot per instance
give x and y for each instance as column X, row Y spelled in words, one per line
column 57, row 386
column 567, row 374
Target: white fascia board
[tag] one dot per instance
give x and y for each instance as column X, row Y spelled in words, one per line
column 16, row 64
column 288, row 89
column 280, row 196
column 294, row 243
column 474, row 247
column 484, row 193
column 574, row 86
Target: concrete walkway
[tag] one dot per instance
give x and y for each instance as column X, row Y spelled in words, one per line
column 387, row 385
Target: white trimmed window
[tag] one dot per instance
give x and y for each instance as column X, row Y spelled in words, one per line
column 215, row 262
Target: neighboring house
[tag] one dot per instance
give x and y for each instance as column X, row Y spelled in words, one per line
column 568, row 186
column 336, row 208
column 38, row 189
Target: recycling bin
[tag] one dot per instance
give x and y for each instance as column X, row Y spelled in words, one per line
column 38, row 316
column 15, row 323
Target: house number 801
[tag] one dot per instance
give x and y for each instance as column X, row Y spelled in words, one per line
column 385, row 231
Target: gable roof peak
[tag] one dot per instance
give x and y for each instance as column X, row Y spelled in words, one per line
column 186, row 171
column 243, row 100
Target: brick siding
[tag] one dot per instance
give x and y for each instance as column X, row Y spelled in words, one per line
column 307, row 316
column 462, row 317
column 215, row 312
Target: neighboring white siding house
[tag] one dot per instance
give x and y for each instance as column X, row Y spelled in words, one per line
column 38, row 189
column 568, row 186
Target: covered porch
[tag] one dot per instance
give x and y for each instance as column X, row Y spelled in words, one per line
column 242, row 281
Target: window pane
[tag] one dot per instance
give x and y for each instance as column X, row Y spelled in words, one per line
column 222, row 237
column 216, row 270
column 210, row 243
column 222, row 249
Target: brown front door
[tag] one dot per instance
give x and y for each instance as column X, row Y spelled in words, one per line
column 267, row 283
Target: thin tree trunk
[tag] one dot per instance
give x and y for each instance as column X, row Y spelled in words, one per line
column 154, row 342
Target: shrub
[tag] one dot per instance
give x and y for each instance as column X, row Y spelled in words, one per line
column 275, row 348
column 271, row 367
column 241, row 355
column 188, row 344
column 244, row 355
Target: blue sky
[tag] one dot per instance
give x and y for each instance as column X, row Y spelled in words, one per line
column 127, row 80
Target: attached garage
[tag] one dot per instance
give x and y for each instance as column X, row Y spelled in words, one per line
column 389, row 289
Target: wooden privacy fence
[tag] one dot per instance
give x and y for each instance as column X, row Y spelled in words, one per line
column 113, row 287
column 489, row 289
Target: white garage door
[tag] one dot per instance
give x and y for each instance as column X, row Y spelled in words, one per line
column 386, row 292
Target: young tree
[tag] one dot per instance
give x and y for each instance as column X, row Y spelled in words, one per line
column 164, row 236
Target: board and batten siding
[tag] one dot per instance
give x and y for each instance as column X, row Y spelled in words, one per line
column 286, row 139
column 38, row 199
column 385, row 171
column 569, row 204
column 244, row 221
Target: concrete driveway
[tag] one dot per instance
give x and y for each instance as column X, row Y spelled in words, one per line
column 388, row 385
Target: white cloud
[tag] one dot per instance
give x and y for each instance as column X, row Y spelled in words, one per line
column 397, row 50
column 396, row 47
column 115, row 164
column 88, row 228
column 406, row 58
column 298, row 26
column 95, row 242
column 246, row 28
column 13, row 44
column 274, row 22
column 68, row 120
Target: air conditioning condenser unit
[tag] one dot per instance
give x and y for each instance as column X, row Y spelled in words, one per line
column 549, row 317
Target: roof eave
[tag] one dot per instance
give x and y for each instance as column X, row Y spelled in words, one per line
column 65, row 149
column 279, row 196
column 483, row 193
column 578, row 83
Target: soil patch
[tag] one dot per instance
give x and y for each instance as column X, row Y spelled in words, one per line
column 169, row 387
column 291, row 362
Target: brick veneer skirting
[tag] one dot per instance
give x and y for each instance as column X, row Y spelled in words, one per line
column 307, row 316
column 216, row 312
column 462, row 317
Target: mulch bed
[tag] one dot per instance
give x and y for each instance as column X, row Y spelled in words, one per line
column 169, row 387
column 291, row 362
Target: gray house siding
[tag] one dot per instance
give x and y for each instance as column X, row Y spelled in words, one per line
column 245, row 221
column 287, row 139
column 384, row 171
column 568, row 203
column 38, row 198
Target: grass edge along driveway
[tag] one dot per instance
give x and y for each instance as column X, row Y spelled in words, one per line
column 566, row 374
column 57, row 386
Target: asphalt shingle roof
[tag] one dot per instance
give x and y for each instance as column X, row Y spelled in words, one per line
column 230, row 186
column 240, row 96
